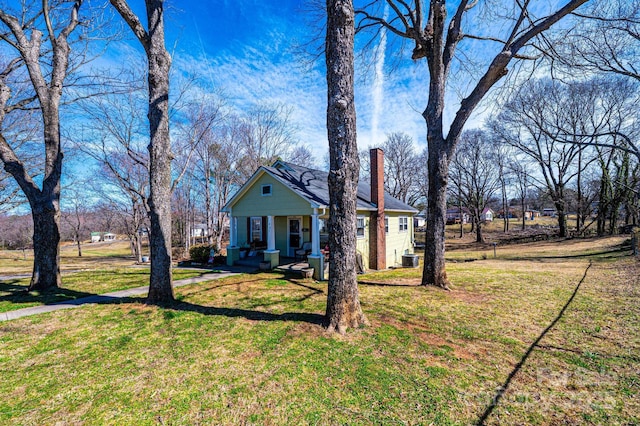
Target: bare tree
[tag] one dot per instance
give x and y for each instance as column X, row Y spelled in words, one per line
column 225, row 178
column 475, row 174
column 34, row 45
column 607, row 40
column 113, row 135
column 421, row 179
column 557, row 125
column 75, row 216
column 9, row 193
column 618, row 186
column 16, row 231
column 400, row 165
column 343, row 304
column 200, row 127
column 267, row 134
column 534, row 122
column 502, row 155
column 436, row 38
column 521, row 183
column 159, row 63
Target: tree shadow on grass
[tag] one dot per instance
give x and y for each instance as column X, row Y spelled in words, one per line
column 18, row 294
column 292, row 279
column 256, row 315
column 15, row 293
column 613, row 253
column 503, row 389
column 389, row 284
column 311, row 318
column 230, row 312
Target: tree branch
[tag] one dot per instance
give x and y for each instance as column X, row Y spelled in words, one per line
column 47, row 20
column 132, row 20
column 498, row 68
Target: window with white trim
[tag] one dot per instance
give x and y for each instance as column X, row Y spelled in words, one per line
column 360, row 227
column 386, row 225
column 404, row 224
column 266, row 190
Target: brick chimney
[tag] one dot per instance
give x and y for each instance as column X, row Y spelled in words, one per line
column 377, row 241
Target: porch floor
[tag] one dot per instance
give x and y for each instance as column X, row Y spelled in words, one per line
column 287, row 264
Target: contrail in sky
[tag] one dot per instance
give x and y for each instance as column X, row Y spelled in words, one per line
column 378, row 82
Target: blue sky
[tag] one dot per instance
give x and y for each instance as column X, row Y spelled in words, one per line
column 247, row 48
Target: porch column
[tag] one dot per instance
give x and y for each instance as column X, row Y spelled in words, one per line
column 316, row 259
column 233, row 251
column 271, row 255
column 315, row 234
column 271, row 234
column 233, row 232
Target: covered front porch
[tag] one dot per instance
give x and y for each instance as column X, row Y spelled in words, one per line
column 294, row 241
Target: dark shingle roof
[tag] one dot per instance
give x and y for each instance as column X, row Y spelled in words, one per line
column 312, row 185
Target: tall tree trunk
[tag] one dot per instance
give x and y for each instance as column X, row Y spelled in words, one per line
column 207, row 205
column 159, row 63
column 46, row 249
column 45, row 202
column 160, row 289
column 461, row 215
column 434, row 269
column 343, row 304
column 562, row 223
column 580, row 219
column 138, row 249
column 505, row 208
column 479, row 237
column 132, row 246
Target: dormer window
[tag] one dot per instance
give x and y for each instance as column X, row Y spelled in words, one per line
column 266, row 190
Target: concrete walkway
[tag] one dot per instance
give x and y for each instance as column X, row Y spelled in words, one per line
column 108, row 297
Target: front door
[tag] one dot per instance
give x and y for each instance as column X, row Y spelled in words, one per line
column 294, row 235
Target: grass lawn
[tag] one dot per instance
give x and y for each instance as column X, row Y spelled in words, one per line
column 13, row 294
column 250, row 349
column 94, row 256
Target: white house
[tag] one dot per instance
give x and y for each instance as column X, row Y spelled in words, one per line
column 487, row 214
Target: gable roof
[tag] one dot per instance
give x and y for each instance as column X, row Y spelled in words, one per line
column 312, row 185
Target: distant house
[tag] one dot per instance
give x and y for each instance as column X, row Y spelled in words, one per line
column 531, row 214
column 549, row 212
column 199, row 230
column 487, row 215
column 455, row 215
column 419, row 220
column 102, row 236
column 285, row 208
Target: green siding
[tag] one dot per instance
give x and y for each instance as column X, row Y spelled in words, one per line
column 242, row 231
column 282, row 201
column 306, row 224
column 281, row 235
